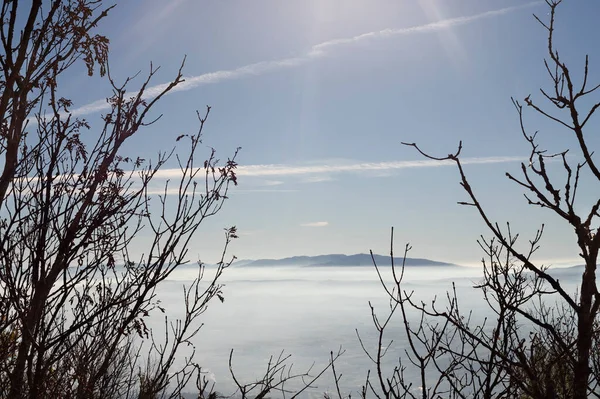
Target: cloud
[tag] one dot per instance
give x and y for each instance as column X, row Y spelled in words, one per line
column 272, row 182
column 291, row 170
column 312, row 171
column 322, row 48
column 175, row 191
column 317, row 179
column 315, row 224
column 318, row 50
column 242, row 190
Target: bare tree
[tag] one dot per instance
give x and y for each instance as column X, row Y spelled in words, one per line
column 278, row 375
column 72, row 297
column 74, row 300
column 542, row 341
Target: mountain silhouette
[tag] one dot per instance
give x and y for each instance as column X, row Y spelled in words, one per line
column 340, row 260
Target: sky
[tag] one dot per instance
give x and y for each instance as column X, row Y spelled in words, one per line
column 319, row 94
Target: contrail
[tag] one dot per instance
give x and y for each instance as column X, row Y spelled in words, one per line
column 330, row 168
column 288, row 170
column 430, row 27
column 315, row 51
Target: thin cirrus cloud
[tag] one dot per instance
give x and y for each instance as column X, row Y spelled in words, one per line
column 316, row 51
column 315, row 224
column 279, row 170
column 291, row 170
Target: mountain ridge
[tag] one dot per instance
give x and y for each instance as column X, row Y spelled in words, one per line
column 339, row 260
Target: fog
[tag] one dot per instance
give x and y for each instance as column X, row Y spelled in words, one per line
column 306, row 312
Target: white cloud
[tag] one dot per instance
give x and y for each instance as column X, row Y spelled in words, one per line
column 314, row 170
column 290, row 170
column 242, row 190
column 322, row 48
column 315, row 51
column 175, row 191
column 315, row 224
column 317, row 179
column 272, row 183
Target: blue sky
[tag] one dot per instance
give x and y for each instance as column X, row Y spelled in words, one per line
column 320, row 94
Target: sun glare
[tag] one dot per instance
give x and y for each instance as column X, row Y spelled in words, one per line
column 448, row 38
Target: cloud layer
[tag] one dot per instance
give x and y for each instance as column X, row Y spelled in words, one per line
column 318, row 50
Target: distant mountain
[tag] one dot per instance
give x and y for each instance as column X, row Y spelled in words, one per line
column 339, row 260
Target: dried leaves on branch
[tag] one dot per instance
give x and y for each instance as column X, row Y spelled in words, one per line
column 72, row 297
